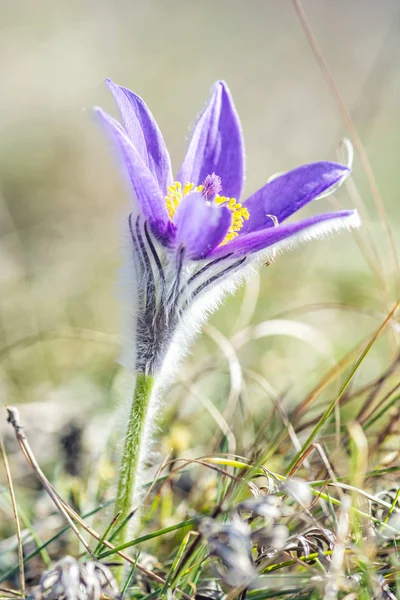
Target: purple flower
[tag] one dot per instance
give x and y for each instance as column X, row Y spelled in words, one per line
column 191, row 233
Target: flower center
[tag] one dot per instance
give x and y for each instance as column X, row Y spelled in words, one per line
column 211, row 186
column 209, row 189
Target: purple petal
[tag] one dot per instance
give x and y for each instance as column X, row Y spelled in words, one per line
column 216, row 145
column 144, row 133
column 288, row 193
column 142, row 182
column 284, row 236
column 200, row 226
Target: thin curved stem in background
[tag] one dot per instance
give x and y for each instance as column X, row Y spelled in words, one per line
column 354, row 137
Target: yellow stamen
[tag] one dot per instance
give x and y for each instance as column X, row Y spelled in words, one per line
column 239, row 213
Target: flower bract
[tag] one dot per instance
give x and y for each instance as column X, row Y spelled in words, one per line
column 191, row 236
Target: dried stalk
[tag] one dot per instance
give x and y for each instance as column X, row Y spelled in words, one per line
column 16, row 518
column 67, row 511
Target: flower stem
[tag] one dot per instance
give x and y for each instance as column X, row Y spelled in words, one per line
column 130, row 465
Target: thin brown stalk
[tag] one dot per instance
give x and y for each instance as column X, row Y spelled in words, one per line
column 70, row 513
column 301, row 460
column 367, row 247
column 328, row 466
column 391, row 427
column 13, row 593
column 348, row 398
column 202, row 462
column 16, row 518
column 160, row 469
column 13, row 419
column 280, row 408
column 326, row 380
column 376, row 389
column 120, row 553
column 381, row 402
column 353, row 133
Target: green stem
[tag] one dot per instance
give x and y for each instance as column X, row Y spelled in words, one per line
column 127, row 484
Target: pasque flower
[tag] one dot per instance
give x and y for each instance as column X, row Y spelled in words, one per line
column 192, row 237
column 194, row 233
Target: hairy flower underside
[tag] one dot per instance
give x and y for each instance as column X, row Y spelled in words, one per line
column 211, row 185
column 164, row 295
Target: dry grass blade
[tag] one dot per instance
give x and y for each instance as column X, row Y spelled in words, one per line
column 367, row 247
column 353, row 133
column 391, row 428
column 336, row 400
column 215, row 414
column 193, row 461
column 235, row 369
column 13, row 419
column 338, row 554
column 120, row 553
column 277, row 401
column 12, row 593
column 328, row 466
column 16, row 517
column 375, row 390
column 67, row 511
column 326, row 380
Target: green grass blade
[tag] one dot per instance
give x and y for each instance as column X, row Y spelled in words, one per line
column 344, row 387
column 149, row 536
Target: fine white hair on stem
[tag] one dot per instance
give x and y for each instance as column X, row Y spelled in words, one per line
column 168, row 297
column 129, row 288
column 240, row 271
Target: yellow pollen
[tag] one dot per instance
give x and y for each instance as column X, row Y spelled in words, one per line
column 175, row 193
column 239, row 215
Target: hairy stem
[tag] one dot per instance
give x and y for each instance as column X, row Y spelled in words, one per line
column 130, row 467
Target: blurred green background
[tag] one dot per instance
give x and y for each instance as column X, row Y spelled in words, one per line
column 62, row 198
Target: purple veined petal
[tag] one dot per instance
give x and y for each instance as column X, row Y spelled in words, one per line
column 288, row 193
column 289, row 235
column 144, row 133
column 141, row 181
column 200, row 226
column 216, row 145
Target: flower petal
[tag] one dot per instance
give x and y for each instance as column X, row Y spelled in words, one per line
column 285, row 236
column 144, row 133
column 200, row 226
column 216, row 145
column 142, row 182
column 288, row 193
